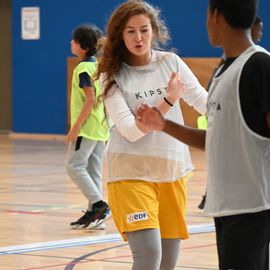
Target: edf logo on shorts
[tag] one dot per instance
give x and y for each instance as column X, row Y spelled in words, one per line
column 137, row 217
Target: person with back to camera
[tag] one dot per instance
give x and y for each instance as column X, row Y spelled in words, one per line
column 237, row 140
column 146, row 173
column 88, row 131
column 256, row 35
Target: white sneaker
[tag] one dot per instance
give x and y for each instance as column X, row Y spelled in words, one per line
column 101, row 226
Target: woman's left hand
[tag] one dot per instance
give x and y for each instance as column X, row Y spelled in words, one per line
column 176, row 88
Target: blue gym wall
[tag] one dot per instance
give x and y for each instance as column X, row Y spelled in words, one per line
column 39, row 77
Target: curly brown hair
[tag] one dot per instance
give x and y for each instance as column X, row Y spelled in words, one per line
column 115, row 51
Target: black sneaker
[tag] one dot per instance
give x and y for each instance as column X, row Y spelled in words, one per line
column 91, row 219
column 82, row 222
column 99, row 221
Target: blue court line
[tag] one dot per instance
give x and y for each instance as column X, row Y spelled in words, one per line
column 193, row 229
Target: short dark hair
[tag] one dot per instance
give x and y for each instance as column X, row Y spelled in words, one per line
column 87, row 35
column 238, row 13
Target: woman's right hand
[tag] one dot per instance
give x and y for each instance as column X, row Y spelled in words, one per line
column 149, row 118
column 176, row 88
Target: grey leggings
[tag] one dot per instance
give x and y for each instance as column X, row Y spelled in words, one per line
column 150, row 252
column 84, row 166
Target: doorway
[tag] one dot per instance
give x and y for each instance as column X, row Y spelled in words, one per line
column 5, row 67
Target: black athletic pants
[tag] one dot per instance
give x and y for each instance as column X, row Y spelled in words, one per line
column 243, row 241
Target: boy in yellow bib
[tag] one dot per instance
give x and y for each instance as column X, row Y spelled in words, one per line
column 89, row 130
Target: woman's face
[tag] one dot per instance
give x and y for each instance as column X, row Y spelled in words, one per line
column 138, row 35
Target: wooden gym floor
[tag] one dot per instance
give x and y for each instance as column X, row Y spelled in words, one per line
column 38, row 201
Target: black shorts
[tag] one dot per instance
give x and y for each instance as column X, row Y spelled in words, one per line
column 243, row 241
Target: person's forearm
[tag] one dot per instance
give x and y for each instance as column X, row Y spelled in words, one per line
column 188, row 135
column 122, row 117
column 164, row 106
column 88, row 106
column 174, row 91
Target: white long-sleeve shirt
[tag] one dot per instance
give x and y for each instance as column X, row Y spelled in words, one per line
column 156, row 156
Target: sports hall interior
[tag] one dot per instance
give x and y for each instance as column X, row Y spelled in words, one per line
column 37, row 198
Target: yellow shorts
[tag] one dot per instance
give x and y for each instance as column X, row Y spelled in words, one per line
column 138, row 205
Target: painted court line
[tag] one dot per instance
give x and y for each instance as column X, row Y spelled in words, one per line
column 193, row 229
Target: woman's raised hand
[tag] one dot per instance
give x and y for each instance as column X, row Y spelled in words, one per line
column 176, row 88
